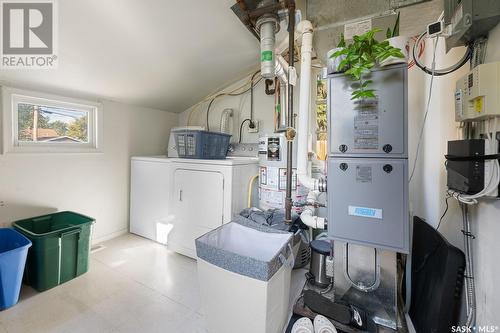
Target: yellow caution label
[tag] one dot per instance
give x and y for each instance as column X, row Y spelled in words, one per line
column 478, row 104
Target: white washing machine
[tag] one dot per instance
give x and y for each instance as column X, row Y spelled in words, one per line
column 175, row 200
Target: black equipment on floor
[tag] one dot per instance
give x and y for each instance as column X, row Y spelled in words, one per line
column 437, row 280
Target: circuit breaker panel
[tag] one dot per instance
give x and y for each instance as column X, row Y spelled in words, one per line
column 368, row 162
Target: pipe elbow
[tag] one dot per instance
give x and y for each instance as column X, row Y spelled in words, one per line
column 307, row 217
column 281, row 69
column 309, row 182
column 305, row 26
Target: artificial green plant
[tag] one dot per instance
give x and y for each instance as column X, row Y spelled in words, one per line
column 364, row 53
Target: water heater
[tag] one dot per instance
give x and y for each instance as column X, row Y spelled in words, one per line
column 272, row 173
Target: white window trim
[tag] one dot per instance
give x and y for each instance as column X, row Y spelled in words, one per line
column 10, row 98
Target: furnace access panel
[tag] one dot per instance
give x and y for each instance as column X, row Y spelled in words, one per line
column 368, row 162
column 376, row 128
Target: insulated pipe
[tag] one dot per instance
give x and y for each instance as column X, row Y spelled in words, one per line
column 268, row 27
column 289, row 143
column 303, row 177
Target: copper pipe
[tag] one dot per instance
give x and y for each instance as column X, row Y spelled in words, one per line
column 289, row 144
column 242, row 5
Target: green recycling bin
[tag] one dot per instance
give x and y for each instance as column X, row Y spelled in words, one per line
column 61, row 247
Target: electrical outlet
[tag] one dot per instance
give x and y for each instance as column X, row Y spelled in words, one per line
column 255, row 128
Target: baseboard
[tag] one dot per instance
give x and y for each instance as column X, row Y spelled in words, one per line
column 97, row 240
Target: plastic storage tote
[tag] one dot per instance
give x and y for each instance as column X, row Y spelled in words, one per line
column 201, row 144
column 60, row 251
column 13, row 252
column 244, row 275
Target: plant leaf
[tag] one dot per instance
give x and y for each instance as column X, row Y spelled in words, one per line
column 343, row 64
column 342, row 41
column 395, row 31
column 366, row 83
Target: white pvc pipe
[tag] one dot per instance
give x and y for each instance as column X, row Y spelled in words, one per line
column 303, row 175
column 307, row 217
column 281, row 69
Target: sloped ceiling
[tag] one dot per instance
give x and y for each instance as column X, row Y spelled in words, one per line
column 164, row 54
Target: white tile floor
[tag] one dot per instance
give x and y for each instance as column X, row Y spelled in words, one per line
column 133, row 285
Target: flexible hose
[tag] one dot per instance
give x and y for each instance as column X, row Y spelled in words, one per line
column 250, row 190
column 470, row 286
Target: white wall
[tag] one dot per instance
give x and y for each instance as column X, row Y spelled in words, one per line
column 263, row 111
column 428, row 187
column 92, row 184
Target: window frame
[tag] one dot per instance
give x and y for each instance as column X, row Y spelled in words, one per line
column 11, row 97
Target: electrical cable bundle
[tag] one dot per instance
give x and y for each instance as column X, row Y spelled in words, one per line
column 233, row 92
column 252, row 85
column 439, row 72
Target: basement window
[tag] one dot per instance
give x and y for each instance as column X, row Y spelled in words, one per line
column 47, row 123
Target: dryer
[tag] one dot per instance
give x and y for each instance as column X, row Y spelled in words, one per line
column 176, row 200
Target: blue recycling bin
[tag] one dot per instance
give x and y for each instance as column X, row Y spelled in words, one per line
column 13, row 251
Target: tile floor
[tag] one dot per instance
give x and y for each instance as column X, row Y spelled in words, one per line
column 133, row 285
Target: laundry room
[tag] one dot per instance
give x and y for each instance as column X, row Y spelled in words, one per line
column 251, row 166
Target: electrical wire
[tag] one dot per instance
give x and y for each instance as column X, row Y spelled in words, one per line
column 241, row 128
column 421, row 50
column 196, row 107
column 251, row 98
column 444, row 71
column 426, row 111
column 252, row 85
column 445, row 211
